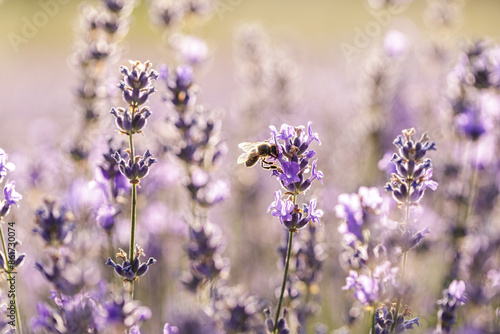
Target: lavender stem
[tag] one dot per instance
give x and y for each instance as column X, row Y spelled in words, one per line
column 133, row 209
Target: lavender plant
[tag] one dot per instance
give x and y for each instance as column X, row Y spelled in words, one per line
column 136, row 87
column 290, row 161
column 103, row 26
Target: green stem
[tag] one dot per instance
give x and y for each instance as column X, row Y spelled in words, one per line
column 14, row 299
column 133, row 216
column 290, row 238
column 373, row 319
column 398, row 303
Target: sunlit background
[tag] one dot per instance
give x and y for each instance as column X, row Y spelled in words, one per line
column 326, row 52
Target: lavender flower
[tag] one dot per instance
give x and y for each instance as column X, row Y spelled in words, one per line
column 77, row 314
column 54, row 225
column 120, row 313
column 414, row 173
column 204, row 252
column 5, row 166
column 136, row 88
column 168, row 329
column 131, row 271
column 453, row 297
column 291, row 216
column 65, row 277
column 293, row 157
column 384, row 321
column 358, row 210
column 372, row 288
column 11, row 197
column 136, row 169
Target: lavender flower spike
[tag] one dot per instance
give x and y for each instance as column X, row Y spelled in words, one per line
column 453, row 297
column 4, row 165
column 413, row 172
column 11, row 198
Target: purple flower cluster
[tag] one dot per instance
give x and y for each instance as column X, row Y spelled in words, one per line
column 453, row 297
column 414, row 172
column 131, row 271
column 289, row 167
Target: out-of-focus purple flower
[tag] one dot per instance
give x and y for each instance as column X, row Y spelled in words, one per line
column 137, row 169
column 105, row 216
column 65, row 278
column 47, row 319
column 167, row 13
column 384, row 321
column 5, row 166
column 369, row 289
column 181, row 87
column 192, row 50
column 167, row 329
column 53, row 225
column 131, row 271
column 120, row 313
column 356, row 210
column 409, row 240
column 453, row 297
column 204, row 251
column 470, row 123
column 366, row 288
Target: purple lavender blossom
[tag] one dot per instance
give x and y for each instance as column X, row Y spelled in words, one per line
column 11, row 197
column 131, row 271
column 105, row 216
column 293, row 157
column 413, row 171
column 291, row 216
column 120, row 313
column 366, row 288
column 372, row 288
column 356, row 211
column 5, row 166
column 168, row 329
column 54, row 225
column 66, row 278
column 384, row 321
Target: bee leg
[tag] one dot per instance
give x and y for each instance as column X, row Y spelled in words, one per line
column 268, row 165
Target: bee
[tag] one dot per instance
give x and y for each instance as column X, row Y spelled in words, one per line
column 258, row 151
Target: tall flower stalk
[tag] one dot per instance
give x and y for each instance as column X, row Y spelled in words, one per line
column 136, row 88
column 288, row 156
column 10, row 259
column 413, row 176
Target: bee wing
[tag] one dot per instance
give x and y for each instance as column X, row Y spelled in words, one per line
column 242, row 158
column 247, row 146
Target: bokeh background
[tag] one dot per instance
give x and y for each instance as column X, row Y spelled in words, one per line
column 306, row 41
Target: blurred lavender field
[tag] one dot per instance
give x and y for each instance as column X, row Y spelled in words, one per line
column 372, row 207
